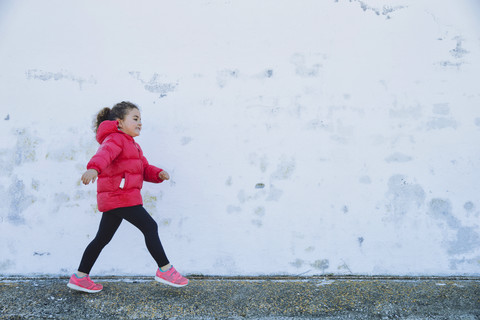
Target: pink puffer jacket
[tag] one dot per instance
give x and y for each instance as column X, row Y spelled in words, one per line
column 120, row 157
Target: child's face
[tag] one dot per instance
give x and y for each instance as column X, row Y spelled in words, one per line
column 131, row 123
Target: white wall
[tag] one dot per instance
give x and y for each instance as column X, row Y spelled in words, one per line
column 302, row 137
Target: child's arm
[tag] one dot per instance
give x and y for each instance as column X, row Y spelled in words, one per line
column 108, row 151
column 152, row 173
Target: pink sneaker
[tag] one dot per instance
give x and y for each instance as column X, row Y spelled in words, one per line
column 84, row 284
column 171, row 277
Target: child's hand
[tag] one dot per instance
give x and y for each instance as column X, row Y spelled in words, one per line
column 164, row 175
column 89, row 176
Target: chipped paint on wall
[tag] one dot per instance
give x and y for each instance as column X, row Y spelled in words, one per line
column 35, row 74
column 156, row 83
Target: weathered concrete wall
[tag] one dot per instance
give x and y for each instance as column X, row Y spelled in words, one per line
column 302, row 137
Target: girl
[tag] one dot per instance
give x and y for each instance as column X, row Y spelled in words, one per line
column 121, row 168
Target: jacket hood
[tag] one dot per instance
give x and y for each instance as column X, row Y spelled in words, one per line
column 106, row 128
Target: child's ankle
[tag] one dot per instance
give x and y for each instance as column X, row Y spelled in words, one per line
column 165, row 268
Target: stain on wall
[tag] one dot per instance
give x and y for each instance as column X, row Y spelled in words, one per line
column 398, row 157
column 404, row 196
column 19, row 200
column 467, row 241
column 458, row 52
column 322, row 264
column 441, row 209
column 469, row 206
column 35, row 74
column 25, row 149
column 225, row 76
column 386, row 10
column 360, row 241
column 463, row 247
column 436, row 123
column 157, row 83
column 285, row 169
column 307, row 68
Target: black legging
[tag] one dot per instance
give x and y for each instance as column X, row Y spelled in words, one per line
column 109, row 224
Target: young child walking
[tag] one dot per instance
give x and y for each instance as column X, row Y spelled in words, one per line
column 121, row 168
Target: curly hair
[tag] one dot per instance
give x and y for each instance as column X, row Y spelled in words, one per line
column 118, row 111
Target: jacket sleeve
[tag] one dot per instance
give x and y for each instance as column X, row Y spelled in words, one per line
column 150, row 173
column 109, row 150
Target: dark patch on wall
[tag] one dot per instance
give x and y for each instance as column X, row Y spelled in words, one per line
column 285, row 169
column 260, row 211
column 60, row 199
column 442, row 209
column 398, row 157
column 7, row 117
column 467, row 241
column 304, row 69
column 155, row 84
column 224, row 76
column 385, row 11
column 7, row 265
column 34, row 74
column 322, row 264
column 404, row 196
column 161, row 88
column 469, row 206
column 458, row 52
column 297, row 263
column 317, row 124
column 41, row 253
column 405, row 111
column 455, row 264
column 25, row 149
column 19, row 201
column 186, row 140
column 447, row 64
column 437, row 123
column 360, row 241
column 477, row 122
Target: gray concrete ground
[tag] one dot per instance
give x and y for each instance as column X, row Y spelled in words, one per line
column 256, row 298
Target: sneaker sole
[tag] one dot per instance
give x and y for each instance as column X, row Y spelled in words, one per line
column 78, row 288
column 169, row 283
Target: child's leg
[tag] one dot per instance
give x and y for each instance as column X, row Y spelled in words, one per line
column 140, row 218
column 108, row 226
